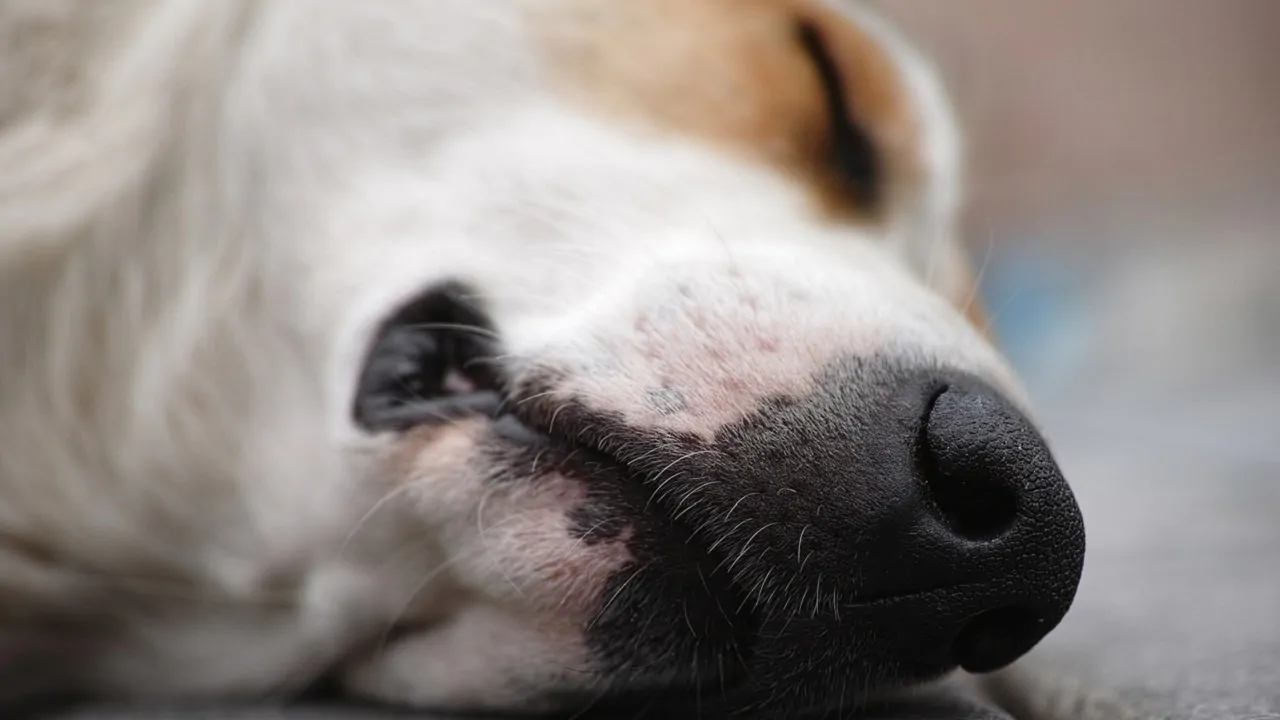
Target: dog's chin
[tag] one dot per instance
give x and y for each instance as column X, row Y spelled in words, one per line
column 571, row 583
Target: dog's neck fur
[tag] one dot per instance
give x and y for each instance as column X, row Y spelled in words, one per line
column 126, row 221
column 139, row 243
column 158, row 236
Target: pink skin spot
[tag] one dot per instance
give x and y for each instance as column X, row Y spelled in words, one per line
column 767, row 344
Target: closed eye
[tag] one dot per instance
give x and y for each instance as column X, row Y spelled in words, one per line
column 851, row 151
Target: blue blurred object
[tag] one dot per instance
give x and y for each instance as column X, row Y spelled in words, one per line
column 1037, row 313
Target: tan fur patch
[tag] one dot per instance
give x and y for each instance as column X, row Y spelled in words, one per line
column 736, row 73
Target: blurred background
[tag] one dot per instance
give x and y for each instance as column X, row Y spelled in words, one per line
column 1125, row 206
column 1125, row 211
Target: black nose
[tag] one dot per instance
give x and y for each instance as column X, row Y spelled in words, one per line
column 1015, row 528
column 964, row 541
column 916, row 521
column 891, row 524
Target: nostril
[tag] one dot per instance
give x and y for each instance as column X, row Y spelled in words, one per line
column 976, row 501
column 991, row 478
column 995, row 638
column 973, row 508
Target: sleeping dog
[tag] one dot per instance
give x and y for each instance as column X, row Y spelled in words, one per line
column 501, row 355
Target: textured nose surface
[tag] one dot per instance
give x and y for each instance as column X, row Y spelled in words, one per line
column 993, row 482
column 915, row 516
column 893, row 522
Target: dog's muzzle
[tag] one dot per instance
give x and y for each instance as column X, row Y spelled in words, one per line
column 893, row 523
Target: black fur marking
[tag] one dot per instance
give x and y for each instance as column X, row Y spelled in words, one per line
column 825, row 545
column 670, row 624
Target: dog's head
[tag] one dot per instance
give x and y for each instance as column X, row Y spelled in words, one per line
column 652, row 321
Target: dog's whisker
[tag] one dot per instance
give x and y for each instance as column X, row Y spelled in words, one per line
column 683, row 458
column 616, row 594
column 420, row 587
column 747, row 545
column 484, row 499
column 382, row 502
column 576, row 545
column 994, row 316
column 688, row 509
column 456, row 327
column 530, row 398
column 800, row 542
column 975, row 291
column 736, row 504
column 726, row 535
column 661, row 489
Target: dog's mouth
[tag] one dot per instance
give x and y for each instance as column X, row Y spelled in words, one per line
column 436, row 362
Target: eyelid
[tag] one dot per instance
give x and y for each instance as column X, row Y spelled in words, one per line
column 852, row 153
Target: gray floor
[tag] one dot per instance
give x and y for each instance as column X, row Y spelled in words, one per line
column 1167, row 422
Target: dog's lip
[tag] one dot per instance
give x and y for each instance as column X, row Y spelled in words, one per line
column 530, row 419
column 575, row 453
column 539, row 422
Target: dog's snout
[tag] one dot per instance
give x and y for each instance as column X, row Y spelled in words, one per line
column 918, row 513
column 924, row 505
column 913, row 518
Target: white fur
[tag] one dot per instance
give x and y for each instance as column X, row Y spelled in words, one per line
column 207, row 206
